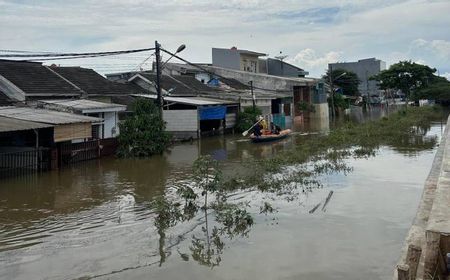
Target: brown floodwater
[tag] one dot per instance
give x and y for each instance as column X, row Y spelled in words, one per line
column 96, row 220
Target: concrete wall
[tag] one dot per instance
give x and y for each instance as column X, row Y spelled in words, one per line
column 181, row 123
column 264, row 105
column 280, row 68
column 263, row 80
column 226, row 58
column 427, row 242
column 364, row 68
column 110, row 125
column 249, row 63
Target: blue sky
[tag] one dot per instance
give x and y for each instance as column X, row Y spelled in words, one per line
column 311, row 33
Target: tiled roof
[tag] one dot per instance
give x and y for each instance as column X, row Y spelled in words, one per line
column 4, row 100
column 179, row 85
column 35, row 79
column 84, row 104
column 93, row 83
column 234, row 84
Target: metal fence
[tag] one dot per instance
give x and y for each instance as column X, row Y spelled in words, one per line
column 24, row 162
column 76, row 152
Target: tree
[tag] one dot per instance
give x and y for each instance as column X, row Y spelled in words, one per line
column 247, row 118
column 438, row 89
column 406, row 76
column 348, row 82
column 143, row 134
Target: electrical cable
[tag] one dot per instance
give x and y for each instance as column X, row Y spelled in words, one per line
column 214, row 74
column 77, row 54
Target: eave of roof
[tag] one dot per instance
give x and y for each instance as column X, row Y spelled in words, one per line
column 10, row 124
column 44, row 116
column 195, row 101
column 86, row 105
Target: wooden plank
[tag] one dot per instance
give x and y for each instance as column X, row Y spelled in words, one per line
column 412, row 259
column 431, row 254
column 67, row 132
column 403, row 272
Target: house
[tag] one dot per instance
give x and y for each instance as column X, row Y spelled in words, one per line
column 109, row 112
column 289, row 93
column 277, row 67
column 27, row 81
column 69, row 140
column 236, row 59
column 193, row 117
column 220, row 87
column 71, row 89
column 21, row 145
column 22, row 81
column 170, row 85
column 93, row 85
column 364, row 69
column 66, row 126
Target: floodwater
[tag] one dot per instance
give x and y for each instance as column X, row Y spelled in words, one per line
column 95, row 219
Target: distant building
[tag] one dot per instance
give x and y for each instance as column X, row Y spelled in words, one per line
column 280, row 68
column 235, row 59
column 364, row 69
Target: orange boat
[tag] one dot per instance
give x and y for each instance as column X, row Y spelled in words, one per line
column 270, row 137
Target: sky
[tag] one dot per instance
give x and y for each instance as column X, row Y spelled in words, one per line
column 312, row 33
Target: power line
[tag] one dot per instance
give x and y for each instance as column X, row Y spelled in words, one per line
column 75, row 55
column 217, row 75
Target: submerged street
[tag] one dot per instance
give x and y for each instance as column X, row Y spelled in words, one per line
column 96, row 220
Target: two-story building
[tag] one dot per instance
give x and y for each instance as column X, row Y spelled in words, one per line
column 364, row 69
column 236, row 59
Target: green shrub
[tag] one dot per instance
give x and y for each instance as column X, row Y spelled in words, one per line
column 247, row 118
column 143, row 134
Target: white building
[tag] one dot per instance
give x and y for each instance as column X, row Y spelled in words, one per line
column 364, row 69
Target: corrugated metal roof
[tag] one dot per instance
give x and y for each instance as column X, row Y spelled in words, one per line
column 196, row 101
column 85, row 104
column 44, row 116
column 9, row 124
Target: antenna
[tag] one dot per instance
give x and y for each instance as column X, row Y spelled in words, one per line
column 281, row 57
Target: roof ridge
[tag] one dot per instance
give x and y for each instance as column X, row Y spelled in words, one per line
column 62, row 77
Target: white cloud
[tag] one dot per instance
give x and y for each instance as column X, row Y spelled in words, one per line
column 446, row 75
column 440, row 48
column 343, row 30
column 311, row 61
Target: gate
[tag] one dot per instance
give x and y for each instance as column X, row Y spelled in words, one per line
column 76, row 152
column 24, row 162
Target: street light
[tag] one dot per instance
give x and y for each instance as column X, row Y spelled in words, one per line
column 158, row 49
column 332, row 89
column 180, row 49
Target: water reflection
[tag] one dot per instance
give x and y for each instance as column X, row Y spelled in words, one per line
column 90, row 212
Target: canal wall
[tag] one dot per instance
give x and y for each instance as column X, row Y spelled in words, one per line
column 424, row 254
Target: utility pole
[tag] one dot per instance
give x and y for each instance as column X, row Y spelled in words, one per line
column 253, row 96
column 330, row 70
column 159, row 100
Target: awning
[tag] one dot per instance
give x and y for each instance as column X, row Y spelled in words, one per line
column 212, row 113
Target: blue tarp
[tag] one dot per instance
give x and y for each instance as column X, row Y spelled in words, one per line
column 213, row 113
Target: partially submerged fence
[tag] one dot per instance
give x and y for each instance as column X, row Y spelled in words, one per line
column 76, row 152
column 24, row 161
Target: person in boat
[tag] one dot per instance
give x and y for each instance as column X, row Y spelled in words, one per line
column 275, row 129
column 257, row 130
column 263, row 123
